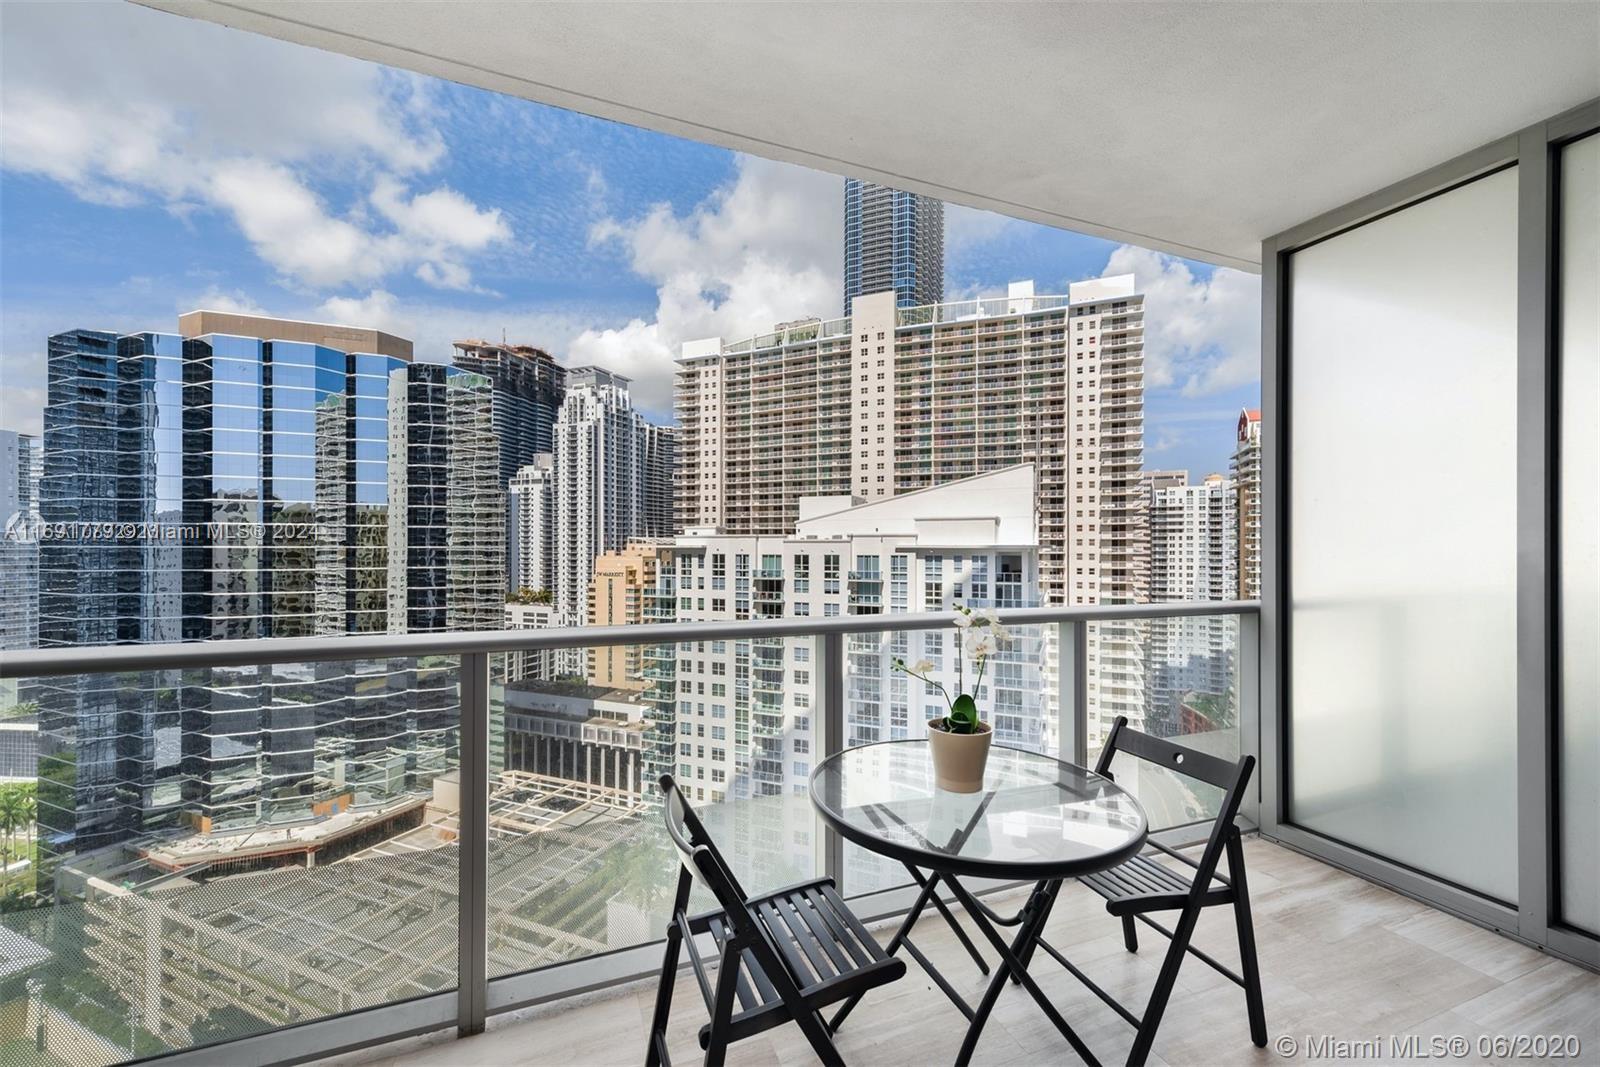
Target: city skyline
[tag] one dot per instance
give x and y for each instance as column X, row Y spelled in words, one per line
column 612, row 248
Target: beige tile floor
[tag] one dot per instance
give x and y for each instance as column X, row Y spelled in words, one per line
column 1339, row 957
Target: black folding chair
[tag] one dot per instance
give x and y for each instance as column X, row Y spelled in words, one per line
column 1142, row 885
column 784, row 956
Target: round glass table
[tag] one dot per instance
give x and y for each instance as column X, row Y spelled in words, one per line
column 1036, row 818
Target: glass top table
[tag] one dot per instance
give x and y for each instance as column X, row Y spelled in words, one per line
column 1035, row 818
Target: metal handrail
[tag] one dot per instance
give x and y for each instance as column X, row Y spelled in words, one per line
column 183, row 655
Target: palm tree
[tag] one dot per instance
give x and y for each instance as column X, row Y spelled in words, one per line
column 12, row 805
column 29, row 813
column 17, row 711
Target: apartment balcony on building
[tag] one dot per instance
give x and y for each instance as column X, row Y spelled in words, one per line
column 600, row 695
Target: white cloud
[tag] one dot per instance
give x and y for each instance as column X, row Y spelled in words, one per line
column 234, row 300
column 210, row 118
column 104, row 162
column 445, row 275
column 1203, row 335
column 966, row 227
column 379, row 309
column 442, row 217
column 289, row 227
column 1165, row 441
column 761, row 249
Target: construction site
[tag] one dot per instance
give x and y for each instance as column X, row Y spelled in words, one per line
column 197, row 939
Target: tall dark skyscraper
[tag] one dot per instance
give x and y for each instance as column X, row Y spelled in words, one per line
column 19, row 550
column 892, row 240
column 246, row 488
column 528, row 389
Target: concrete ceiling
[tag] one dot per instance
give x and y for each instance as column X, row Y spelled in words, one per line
column 1196, row 128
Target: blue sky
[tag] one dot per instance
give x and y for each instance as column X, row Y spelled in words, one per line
column 222, row 169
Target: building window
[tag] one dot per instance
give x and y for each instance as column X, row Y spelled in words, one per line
column 933, row 583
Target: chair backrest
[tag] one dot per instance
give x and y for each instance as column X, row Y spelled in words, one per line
column 700, row 853
column 1231, row 778
column 702, row 859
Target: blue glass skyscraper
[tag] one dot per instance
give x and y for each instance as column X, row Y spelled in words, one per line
column 892, row 240
column 248, row 488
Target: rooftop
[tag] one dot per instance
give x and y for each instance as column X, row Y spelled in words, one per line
column 1019, row 300
column 345, row 338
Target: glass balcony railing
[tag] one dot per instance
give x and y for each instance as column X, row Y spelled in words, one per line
column 234, row 838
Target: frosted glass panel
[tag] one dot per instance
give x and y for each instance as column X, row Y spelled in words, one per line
column 1580, row 556
column 1403, row 536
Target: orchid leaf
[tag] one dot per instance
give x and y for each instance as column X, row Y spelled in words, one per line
column 963, row 717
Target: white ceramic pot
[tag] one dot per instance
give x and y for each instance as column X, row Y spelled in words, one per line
column 959, row 759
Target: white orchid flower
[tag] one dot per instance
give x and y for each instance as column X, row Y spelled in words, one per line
column 963, row 620
column 922, row 666
column 980, row 644
column 991, row 619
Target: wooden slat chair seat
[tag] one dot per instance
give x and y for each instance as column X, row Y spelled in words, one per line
column 780, row 958
column 827, row 949
column 1141, row 885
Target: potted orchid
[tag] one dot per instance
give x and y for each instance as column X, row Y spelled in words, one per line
column 959, row 741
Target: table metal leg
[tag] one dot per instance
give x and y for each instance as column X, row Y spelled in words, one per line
column 1037, row 910
column 892, row 947
column 930, row 885
column 1013, row 957
column 961, row 935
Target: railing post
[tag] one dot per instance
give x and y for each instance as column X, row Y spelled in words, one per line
column 1067, row 729
column 830, row 651
column 1249, row 661
column 1080, row 694
column 472, row 846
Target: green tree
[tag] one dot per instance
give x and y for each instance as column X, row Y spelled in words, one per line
column 16, row 811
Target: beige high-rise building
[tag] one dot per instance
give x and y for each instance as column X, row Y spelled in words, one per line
column 1246, row 477
column 616, row 598
column 896, row 399
column 1190, row 661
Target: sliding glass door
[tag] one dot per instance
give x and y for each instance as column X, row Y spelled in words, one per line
column 1402, row 571
column 1578, row 768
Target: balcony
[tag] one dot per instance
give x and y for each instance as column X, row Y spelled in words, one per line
column 464, row 870
column 1321, row 930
